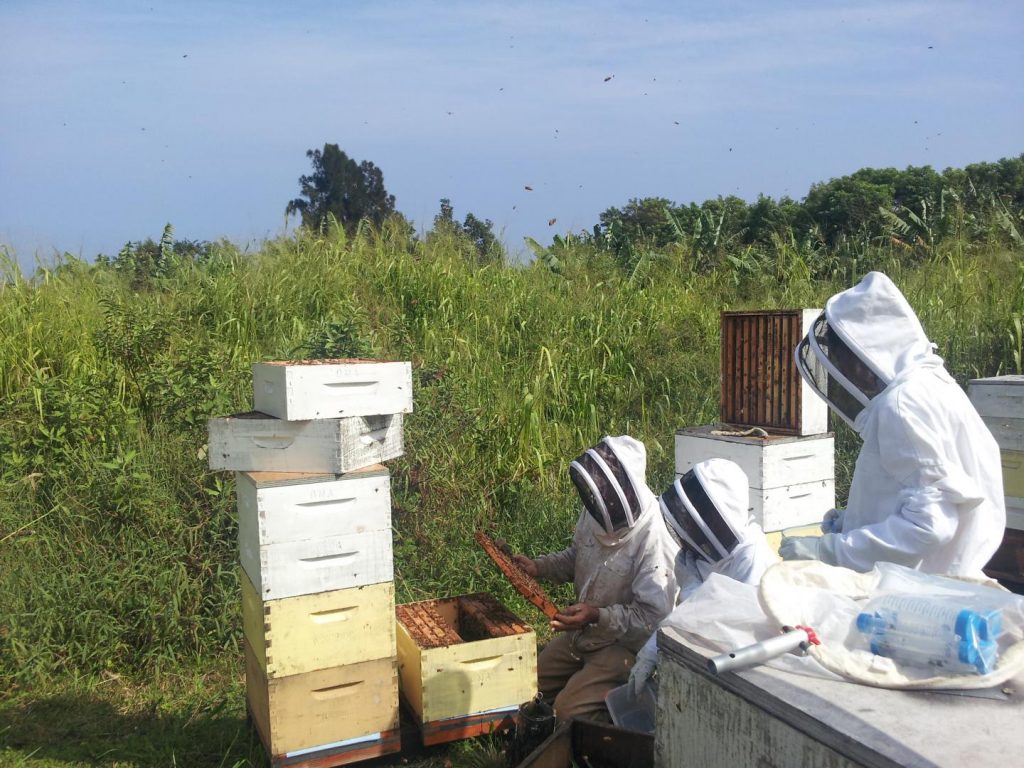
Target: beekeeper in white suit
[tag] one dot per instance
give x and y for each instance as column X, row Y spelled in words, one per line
column 707, row 512
column 927, row 487
column 621, row 562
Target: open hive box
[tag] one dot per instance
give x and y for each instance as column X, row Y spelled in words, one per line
column 465, row 665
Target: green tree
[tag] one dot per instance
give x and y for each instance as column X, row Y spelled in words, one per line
column 848, row 207
column 339, row 186
column 475, row 238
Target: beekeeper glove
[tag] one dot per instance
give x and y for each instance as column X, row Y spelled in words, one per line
column 833, row 521
column 809, row 548
column 646, row 663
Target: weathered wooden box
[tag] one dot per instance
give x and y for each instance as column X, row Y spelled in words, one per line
column 254, row 442
column 317, row 711
column 275, row 507
column 329, row 389
column 311, row 566
column 592, row 744
column 792, row 478
column 767, row 717
column 760, row 383
column 1000, row 402
column 329, row 629
column 466, row 664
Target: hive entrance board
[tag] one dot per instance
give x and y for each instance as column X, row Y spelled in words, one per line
column 525, row 584
column 451, row 621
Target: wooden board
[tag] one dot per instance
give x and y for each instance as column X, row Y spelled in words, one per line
column 329, row 629
column 469, row 678
column 999, row 396
column 254, row 441
column 762, row 716
column 330, row 389
column 277, row 507
column 525, row 584
column 343, row 753
column 311, row 566
column 768, row 462
column 1015, row 513
column 468, row 727
column 314, row 709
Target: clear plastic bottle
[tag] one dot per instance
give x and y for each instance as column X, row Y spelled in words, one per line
column 932, row 631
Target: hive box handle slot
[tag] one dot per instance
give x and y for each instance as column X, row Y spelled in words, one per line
column 338, row 614
column 376, row 436
column 326, row 502
column 336, row 691
column 345, row 387
column 325, row 558
column 274, row 442
column 484, row 662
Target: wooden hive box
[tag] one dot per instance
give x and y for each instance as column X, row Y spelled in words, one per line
column 999, row 401
column 276, row 507
column 330, row 389
column 254, row 441
column 760, row 383
column 324, row 711
column 792, row 478
column 310, row 632
column 317, row 565
column 470, row 675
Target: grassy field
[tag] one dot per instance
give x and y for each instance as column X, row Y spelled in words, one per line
column 119, row 598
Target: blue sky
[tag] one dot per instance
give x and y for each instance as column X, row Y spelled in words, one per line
column 118, row 117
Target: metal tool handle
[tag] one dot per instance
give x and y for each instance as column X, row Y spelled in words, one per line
column 758, row 652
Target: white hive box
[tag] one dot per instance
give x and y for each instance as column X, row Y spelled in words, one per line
column 276, row 507
column 329, row 629
column 315, row 709
column 792, row 478
column 999, row 401
column 319, row 565
column 254, row 442
column 486, row 666
column 330, row 389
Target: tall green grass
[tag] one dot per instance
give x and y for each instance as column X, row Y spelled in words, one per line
column 117, row 545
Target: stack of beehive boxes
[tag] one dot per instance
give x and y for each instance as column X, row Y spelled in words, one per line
column 314, row 529
column 790, row 463
column 1000, row 402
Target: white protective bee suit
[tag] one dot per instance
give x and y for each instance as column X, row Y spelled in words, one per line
column 621, row 561
column 707, row 512
column 927, row 488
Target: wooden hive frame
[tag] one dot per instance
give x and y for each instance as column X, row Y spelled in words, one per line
column 760, row 383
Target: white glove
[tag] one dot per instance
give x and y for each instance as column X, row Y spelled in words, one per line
column 800, row 548
column 646, row 663
column 833, row 521
column 809, row 548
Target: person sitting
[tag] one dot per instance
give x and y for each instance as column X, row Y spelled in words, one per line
column 621, row 563
column 707, row 512
column 927, row 488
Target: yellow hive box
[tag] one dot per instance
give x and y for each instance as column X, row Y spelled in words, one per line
column 300, row 634
column 323, row 707
column 486, row 662
column 1013, row 472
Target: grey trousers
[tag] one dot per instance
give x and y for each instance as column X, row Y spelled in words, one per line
column 577, row 681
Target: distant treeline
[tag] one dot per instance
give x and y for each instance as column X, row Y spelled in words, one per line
column 915, row 208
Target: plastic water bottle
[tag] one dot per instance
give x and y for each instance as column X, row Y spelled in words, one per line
column 932, row 631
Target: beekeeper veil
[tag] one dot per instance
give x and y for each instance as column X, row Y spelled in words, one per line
column 866, row 337
column 611, row 480
column 708, row 508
